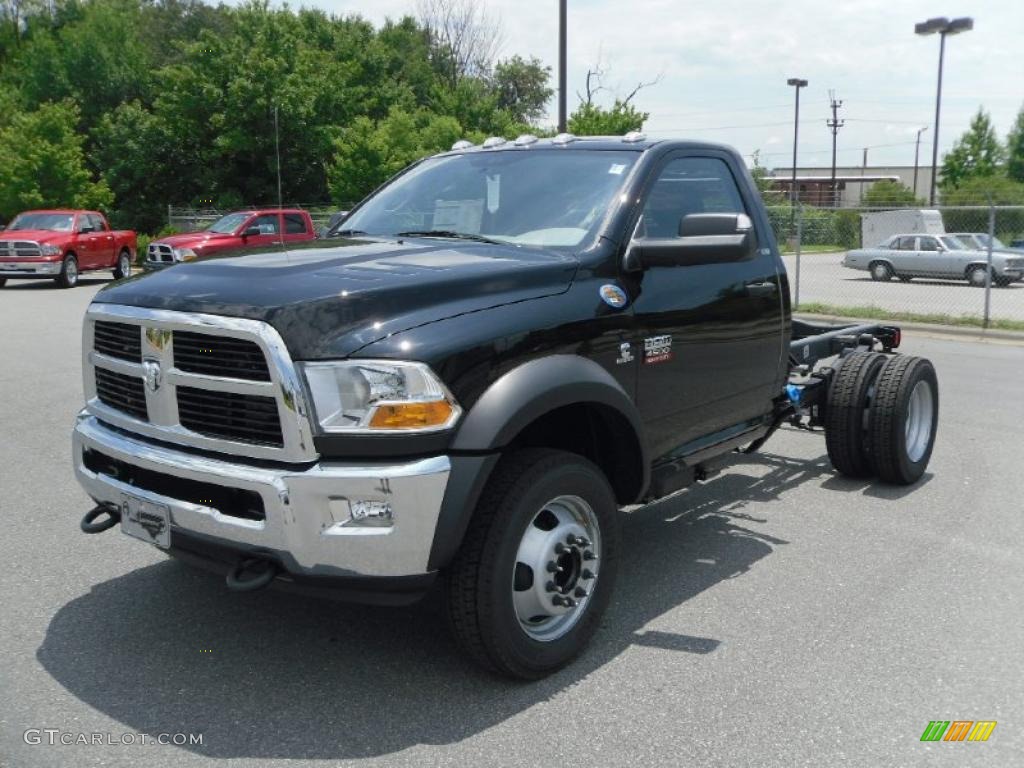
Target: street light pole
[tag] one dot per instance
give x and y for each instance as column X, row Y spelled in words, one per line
column 917, row 149
column 562, row 117
column 797, row 84
column 943, row 27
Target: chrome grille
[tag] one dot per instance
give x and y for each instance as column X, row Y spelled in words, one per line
column 160, row 253
column 119, row 340
column 219, row 356
column 204, row 381
column 123, row 393
column 20, row 249
column 249, row 418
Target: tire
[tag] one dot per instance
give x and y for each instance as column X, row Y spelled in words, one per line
column 68, row 272
column 849, row 398
column 976, row 276
column 1002, row 282
column 881, row 272
column 534, row 501
column 123, row 268
column 904, row 419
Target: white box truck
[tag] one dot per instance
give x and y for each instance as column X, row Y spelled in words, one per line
column 878, row 226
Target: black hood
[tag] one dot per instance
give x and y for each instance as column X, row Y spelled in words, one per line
column 329, row 299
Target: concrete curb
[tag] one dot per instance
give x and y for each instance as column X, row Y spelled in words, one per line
column 958, row 331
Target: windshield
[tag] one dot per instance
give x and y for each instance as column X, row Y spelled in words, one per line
column 55, row 222
column 527, row 197
column 226, row 225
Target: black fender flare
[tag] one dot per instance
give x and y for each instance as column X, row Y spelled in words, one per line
column 511, row 403
column 532, row 389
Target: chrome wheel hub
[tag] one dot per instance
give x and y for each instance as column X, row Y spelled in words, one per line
column 918, row 426
column 556, row 568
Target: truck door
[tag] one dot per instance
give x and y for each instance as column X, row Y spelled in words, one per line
column 710, row 337
column 89, row 244
column 104, row 241
column 269, row 226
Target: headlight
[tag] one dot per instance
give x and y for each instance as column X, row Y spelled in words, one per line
column 184, row 254
column 50, row 250
column 379, row 396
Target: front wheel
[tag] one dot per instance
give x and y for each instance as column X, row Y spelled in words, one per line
column 68, row 273
column 536, row 569
column 124, row 266
column 976, row 276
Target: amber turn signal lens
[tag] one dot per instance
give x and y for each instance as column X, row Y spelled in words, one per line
column 411, row 415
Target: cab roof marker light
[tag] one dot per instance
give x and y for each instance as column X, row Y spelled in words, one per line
column 525, row 140
column 462, row 144
column 633, row 137
column 495, row 141
column 564, row 138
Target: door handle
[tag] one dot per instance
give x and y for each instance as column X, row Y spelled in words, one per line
column 762, row 289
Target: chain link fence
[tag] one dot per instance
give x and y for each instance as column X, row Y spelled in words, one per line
column 929, row 264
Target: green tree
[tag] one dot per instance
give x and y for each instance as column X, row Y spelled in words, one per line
column 590, row 119
column 42, row 163
column 522, row 88
column 368, row 153
column 976, row 153
column 982, row 190
column 1015, row 149
column 890, row 194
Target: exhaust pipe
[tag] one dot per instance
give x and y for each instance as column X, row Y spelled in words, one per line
column 89, row 524
column 238, row 581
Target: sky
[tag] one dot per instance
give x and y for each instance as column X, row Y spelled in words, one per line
column 723, row 66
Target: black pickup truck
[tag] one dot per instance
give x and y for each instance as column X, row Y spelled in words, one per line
column 466, row 380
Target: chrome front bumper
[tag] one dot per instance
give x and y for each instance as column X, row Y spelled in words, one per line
column 29, row 268
column 308, row 525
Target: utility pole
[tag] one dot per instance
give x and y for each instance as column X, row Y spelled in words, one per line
column 917, row 150
column 863, row 170
column 834, row 125
column 562, row 116
column 797, row 84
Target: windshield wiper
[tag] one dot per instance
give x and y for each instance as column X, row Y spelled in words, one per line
column 346, row 233
column 450, row 234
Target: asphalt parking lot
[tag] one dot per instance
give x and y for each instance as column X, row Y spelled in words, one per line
column 775, row 616
column 824, row 279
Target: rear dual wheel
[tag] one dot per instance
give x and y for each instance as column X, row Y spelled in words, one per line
column 882, row 417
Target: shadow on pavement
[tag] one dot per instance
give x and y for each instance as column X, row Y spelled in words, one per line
column 166, row 649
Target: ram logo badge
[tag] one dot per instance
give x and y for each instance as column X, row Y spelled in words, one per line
column 151, row 371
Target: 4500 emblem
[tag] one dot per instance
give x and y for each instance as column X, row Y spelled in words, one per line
column 657, row 349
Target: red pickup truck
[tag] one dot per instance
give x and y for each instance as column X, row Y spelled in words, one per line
column 61, row 244
column 242, row 229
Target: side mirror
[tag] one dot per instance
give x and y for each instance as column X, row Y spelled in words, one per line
column 251, row 232
column 704, row 238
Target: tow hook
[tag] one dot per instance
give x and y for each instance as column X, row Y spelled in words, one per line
column 239, row 582
column 89, row 524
